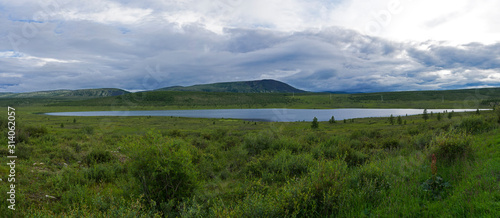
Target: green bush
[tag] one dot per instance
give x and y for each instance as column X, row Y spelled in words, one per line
column 88, row 130
column 370, row 181
column 287, row 143
column 98, row 156
column 285, row 165
column 337, row 147
column 99, row 173
column 473, row 124
column 422, row 140
column 390, row 143
column 165, row 169
column 256, row 143
column 450, row 146
column 23, row 134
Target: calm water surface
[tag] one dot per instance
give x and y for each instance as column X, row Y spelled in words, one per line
column 276, row 115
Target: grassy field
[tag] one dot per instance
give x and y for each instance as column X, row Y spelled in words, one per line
column 168, row 166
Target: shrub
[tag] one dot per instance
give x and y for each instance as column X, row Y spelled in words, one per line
column 422, row 140
column 326, row 183
column 332, row 120
column 287, row 143
column 88, row 130
column 370, row 181
column 256, row 143
column 98, row 156
column 99, row 173
column 175, row 133
column 285, row 165
column 390, row 143
column 23, row 134
column 473, row 124
column 165, row 169
column 449, row 146
column 315, row 124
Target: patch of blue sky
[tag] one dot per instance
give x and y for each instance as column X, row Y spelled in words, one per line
column 10, row 54
column 124, row 30
column 23, row 20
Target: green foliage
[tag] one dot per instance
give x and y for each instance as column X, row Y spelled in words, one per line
column 256, row 143
column 438, row 117
column 285, row 166
column 164, row 168
column 422, row 140
column 332, row 120
column 23, row 134
column 450, row 115
column 473, row 124
column 88, row 130
column 425, row 116
column 264, row 170
column 450, row 146
column 97, row 156
column 370, row 181
column 400, row 121
column 315, row 124
column 435, row 187
column 391, row 120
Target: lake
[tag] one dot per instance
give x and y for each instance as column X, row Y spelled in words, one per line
column 274, row 115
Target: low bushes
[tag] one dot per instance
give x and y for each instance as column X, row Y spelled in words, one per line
column 473, row 124
column 450, row 146
column 97, row 156
column 164, row 167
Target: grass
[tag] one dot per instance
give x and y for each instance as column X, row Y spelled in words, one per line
column 93, row 166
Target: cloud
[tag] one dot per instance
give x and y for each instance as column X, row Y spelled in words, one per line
column 313, row 45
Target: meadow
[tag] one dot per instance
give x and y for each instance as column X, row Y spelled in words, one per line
column 187, row 167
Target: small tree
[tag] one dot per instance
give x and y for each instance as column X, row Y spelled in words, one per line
column 315, row 124
column 332, row 120
column 450, row 115
column 400, row 121
column 391, row 120
column 439, row 117
column 477, row 111
column 425, row 115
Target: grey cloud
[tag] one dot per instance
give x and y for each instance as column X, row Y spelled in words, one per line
column 156, row 54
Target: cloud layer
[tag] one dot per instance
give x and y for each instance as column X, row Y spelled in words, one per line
column 313, row 45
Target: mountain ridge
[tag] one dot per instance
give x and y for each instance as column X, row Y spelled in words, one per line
column 254, row 86
column 87, row 93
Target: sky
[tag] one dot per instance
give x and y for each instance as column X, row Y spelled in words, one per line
column 315, row 45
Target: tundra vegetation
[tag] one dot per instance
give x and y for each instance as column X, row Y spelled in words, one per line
column 187, row 167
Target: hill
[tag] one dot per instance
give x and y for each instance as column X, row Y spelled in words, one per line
column 445, row 99
column 257, row 86
column 87, row 93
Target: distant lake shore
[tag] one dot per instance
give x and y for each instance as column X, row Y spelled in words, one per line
column 270, row 115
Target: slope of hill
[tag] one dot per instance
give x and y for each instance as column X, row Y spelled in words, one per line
column 257, row 86
column 88, row 93
column 447, row 99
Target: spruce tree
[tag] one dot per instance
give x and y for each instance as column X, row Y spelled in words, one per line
column 315, row 124
column 425, row 115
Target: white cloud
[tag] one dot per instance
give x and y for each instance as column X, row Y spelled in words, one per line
column 313, row 45
column 104, row 12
